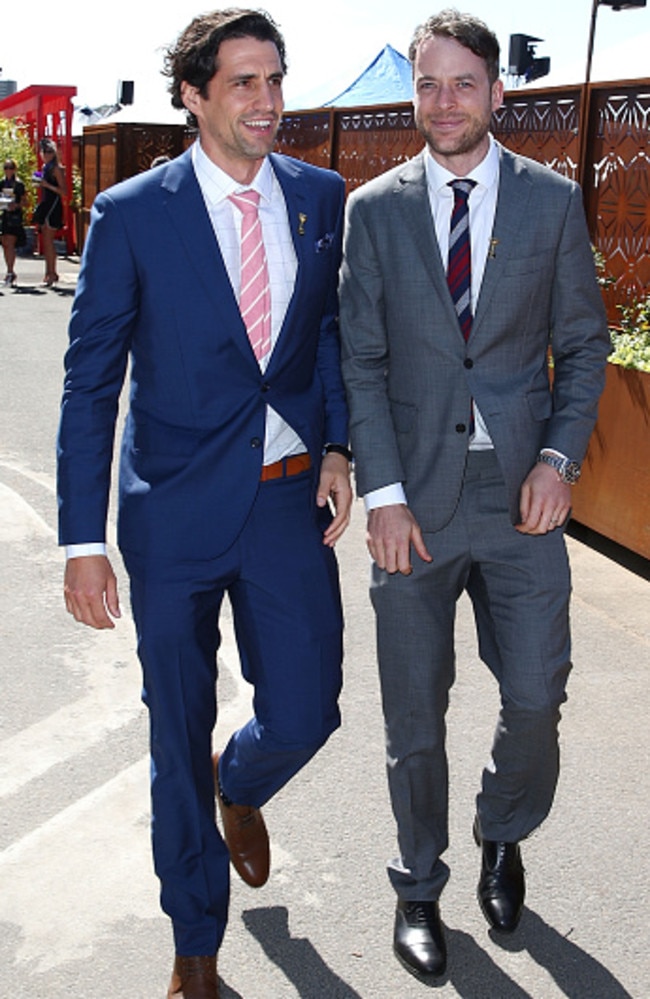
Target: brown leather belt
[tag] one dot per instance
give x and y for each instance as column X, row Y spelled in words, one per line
column 285, row 467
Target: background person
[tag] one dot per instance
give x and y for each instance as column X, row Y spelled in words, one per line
column 11, row 219
column 49, row 211
column 223, row 485
column 461, row 267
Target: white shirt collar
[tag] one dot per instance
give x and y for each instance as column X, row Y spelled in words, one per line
column 217, row 185
column 486, row 173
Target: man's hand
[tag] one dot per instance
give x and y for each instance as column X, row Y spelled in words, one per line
column 90, row 590
column 391, row 532
column 334, row 484
column 545, row 501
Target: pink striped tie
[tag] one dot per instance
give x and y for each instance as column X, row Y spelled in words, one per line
column 255, row 291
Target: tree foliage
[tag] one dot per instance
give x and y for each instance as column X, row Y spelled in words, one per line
column 15, row 145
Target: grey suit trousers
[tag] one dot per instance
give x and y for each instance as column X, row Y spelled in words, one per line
column 519, row 586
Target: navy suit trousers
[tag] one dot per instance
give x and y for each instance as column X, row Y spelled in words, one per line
column 282, row 582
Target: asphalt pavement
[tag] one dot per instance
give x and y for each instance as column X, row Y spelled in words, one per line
column 79, row 911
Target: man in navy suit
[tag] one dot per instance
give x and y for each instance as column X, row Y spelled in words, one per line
column 229, row 463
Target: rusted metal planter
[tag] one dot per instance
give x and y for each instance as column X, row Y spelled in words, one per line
column 613, row 494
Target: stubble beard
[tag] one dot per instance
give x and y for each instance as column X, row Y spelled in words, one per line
column 472, row 138
column 256, row 149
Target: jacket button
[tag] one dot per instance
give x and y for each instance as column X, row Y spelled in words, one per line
column 461, row 428
column 265, row 387
column 468, row 362
column 256, row 442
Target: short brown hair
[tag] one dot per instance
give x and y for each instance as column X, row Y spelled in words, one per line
column 193, row 57
column 467, row 30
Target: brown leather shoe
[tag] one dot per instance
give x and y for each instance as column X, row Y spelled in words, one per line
column 246, row 837
column 194, row 978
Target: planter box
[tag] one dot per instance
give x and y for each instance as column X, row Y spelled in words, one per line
column 613, row 494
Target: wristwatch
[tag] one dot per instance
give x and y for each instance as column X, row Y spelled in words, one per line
column 568, row 470
column 338, row 449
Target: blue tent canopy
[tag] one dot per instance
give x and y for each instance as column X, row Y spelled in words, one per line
column 386, row 80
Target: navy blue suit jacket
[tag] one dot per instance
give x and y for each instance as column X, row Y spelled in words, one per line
column 153, row 288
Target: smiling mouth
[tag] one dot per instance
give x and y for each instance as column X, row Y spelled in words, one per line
column 260, row 124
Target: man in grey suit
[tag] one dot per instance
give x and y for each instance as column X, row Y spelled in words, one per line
column 465, row 455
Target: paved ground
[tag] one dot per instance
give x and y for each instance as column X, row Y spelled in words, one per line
column 78, row 901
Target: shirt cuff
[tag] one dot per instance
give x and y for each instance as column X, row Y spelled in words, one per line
column 385, row 496
column 89, row 548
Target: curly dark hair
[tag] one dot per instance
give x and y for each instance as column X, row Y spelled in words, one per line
column 467, row 30
column 193, row 58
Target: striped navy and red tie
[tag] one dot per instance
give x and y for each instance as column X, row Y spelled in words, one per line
column 459, row 267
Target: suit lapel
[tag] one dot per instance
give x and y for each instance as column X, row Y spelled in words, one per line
column 514, row 191
column 415, row 209
column 294, row 188
column 291, row 179
column 189, row 217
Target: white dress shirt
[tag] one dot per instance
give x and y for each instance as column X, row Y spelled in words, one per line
column 482, row 209
column 216, row 185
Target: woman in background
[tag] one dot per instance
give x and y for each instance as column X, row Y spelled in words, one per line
column 12, row 231
column 49, row 212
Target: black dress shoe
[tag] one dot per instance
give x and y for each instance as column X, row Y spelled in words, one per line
column 418, row 941
column 502, row 887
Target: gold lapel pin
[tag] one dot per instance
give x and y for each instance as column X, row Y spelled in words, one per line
column 302, row 218
column 493, row 248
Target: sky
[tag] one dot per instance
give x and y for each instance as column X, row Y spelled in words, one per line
column 93, row 45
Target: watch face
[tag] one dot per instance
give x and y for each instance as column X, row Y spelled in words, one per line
column 571, row 472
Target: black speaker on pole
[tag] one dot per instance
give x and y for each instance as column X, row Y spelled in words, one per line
column 521, row 58
column 622, row 4
column 520, row 54
column 125, row 92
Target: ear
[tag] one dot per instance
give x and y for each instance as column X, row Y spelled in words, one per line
column 190, row 96
column 497, row 95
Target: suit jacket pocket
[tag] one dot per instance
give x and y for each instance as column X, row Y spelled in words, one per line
column 152, row 438
column 540, row 403
column 532, row 263
column 404, row 416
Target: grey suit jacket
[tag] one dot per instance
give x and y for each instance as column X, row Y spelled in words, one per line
column 410, row 375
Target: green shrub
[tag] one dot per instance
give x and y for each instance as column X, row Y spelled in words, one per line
column 15, row 145
column 631, row 341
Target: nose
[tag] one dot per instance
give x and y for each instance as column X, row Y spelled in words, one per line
column 268, row 96
column 446, row 95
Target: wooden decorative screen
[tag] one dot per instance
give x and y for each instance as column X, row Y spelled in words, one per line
column 543, row 127
column 372, row 140
column 542, row 124
column 618, row 185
